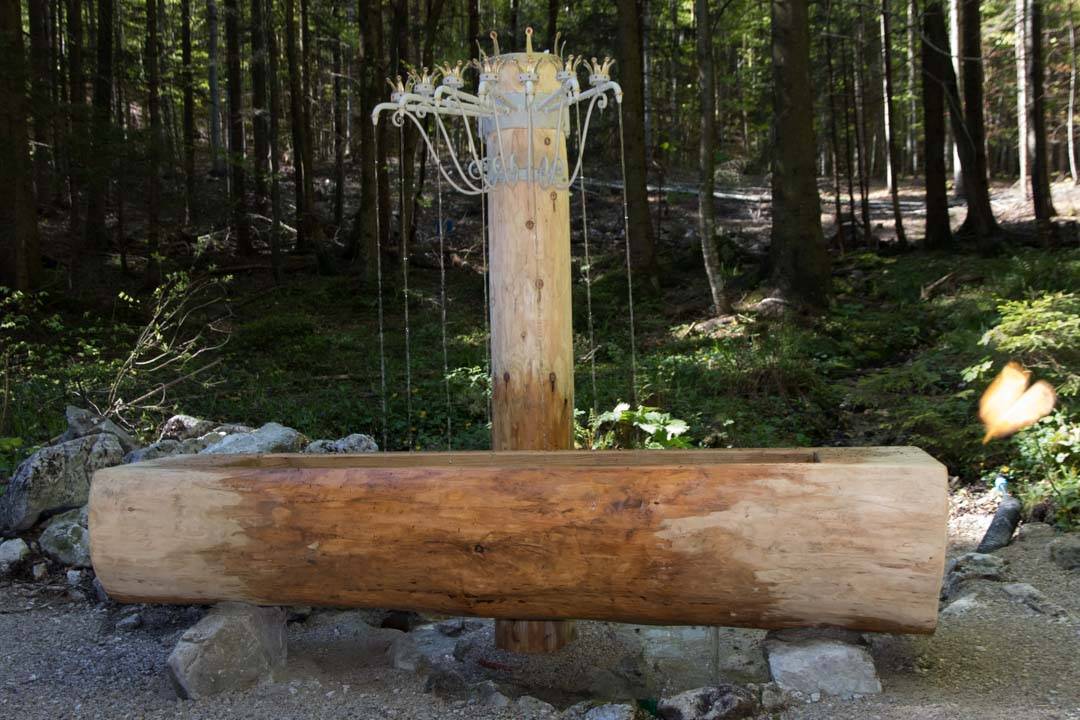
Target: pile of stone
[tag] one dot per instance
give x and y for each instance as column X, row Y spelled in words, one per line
column 45, row 500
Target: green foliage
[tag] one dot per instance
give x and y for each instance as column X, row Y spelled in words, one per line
column 1043, row 333
column 1047, row 467
column 626, row 427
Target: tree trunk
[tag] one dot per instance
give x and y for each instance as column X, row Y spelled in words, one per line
column 955, row 20
column 913, row 84
column 77, row 136
column 101, row 135
column 799, row 257
column 552, row 21
column 473, row 29
column 362, row 235
column 1040, row 173
column 339, row 120
column 861, row 142
column 980, row 221
column 296, row 121
column 152, row 52
column 41, row 104
column 260, row 120
column 217, row 154
column 893, row 152
column 188, row 80
column 20, row 259
column 273, row 138
column 935, row 67
column 707, row 159
column 236, row 129
column 1070, row 127
column 515, row 13
column 1022, row 107
column 642, row 249
column 834, row 135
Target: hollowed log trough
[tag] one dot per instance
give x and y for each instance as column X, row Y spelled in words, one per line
column 849, row 537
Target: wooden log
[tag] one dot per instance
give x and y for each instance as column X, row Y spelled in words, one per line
column 764, row 538
column 532, row 341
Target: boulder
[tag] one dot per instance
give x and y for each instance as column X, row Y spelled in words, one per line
column 355, row 443
column 535, row 707
column 1065, row 551
column 821, row 665
column 12, row 554
column 715, row 702
column 184, row 427
column 270, row 438
column 968, row 566
column 67, row 542
column 55, row 478
column 233, row 647
column 169, row 447
column 674, row 659
column 488, row 693
column 424, row 648
column 84, row 422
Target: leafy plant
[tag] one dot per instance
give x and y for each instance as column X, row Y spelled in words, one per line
column 626, row 427
column 1044, row 334
column 1047, row 467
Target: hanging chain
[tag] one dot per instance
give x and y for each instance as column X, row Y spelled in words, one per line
column 629, row 272
column 588, row 270
column 405, row 282
column 442, row 300
column 378, row 274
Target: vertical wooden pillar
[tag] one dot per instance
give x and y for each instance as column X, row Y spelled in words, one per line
column 532, row 342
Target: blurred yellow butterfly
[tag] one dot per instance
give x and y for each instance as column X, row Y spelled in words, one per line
column 1009, row 405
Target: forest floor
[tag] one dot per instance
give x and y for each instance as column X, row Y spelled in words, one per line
column 64, row 657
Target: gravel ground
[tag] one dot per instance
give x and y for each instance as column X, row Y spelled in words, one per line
column 61, row 656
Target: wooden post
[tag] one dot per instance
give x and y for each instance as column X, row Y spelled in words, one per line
column 532, row 342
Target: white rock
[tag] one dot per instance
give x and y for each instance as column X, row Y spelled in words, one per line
column 831, row 667
column 74, row 577
column 231, row 648
column 270, row 438
column 13, row 552
column 534, row 706
column 963, row 605
column 40, row 571
column 613, row 711
column 1034, row 598
column 183, row 427
column 55, row 478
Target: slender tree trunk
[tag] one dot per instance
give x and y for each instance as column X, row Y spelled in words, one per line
column 913, row 85
column 296, row 122
column 799, row 257
column 642, row 248
column 20, row 259
column 152, row 52
column 236, row 129
column 980, row 220
column 893, row 158
column 362, row 236
column 100, row 137
column 41, row 104
column 834, row 135
column 955, row 20
column 77, row 104
column 1070, row 126
column 707, row 159
column 1022, row 107
column 273, row 139
column 1040, row 173
column 260, row 120
column 339, row 120
column 552, row 21
column 217, row 154
column 935, row 67
column 849, row 151
column 473, row 29
column 515, row 12
column 187, row 79
column 861, row 143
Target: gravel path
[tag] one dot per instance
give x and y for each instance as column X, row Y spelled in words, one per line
column 65, row 659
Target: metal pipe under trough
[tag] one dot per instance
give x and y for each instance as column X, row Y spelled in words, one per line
column 849, row 537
